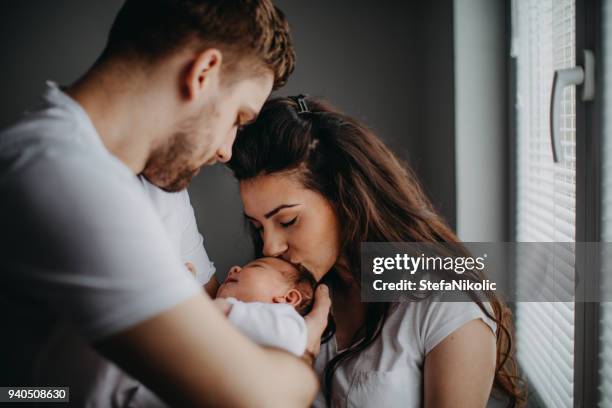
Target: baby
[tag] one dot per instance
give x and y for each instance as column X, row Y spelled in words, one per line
column 266, row 300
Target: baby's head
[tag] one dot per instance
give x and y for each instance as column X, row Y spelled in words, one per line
column 270, row 280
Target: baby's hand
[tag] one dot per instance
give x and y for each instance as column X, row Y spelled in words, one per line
column 223, row 305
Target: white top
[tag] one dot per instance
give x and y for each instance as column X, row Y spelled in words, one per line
column 389, row 373
column 270, row 324
column 177, row 215
column 85, row 254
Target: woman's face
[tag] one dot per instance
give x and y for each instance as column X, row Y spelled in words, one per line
column 295, row 223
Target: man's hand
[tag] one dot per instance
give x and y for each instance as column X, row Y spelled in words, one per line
column 316, row 321
column 211, row 287
column 223, row 305
column 191, row 268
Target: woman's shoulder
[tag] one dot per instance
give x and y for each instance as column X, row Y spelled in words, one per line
column 432, row 319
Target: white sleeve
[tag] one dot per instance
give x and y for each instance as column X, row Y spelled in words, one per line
column 270, row 324
column 192, row 243
column 83, row 242
column 177, row 215
column 438, row 319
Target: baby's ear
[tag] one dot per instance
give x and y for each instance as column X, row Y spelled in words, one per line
column 292, row 297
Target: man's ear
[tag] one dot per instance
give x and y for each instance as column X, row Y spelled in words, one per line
column 293, row 297
column 203, row 69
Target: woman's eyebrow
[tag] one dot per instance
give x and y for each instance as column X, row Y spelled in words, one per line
column 273, row 212
column 277, row 209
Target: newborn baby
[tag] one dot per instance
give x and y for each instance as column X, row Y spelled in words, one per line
column 269, row 280
column 266, row 300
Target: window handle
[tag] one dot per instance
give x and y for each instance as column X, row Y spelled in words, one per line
column 566, row 77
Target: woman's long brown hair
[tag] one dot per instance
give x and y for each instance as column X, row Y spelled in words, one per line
column 376, row 198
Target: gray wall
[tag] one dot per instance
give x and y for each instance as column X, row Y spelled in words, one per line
column 480, row 95
column 391, row 66
column 42, row 40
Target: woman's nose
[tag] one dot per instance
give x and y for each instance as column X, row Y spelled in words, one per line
column 274, row 246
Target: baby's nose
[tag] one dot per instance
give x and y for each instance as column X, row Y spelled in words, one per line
column 235, row 270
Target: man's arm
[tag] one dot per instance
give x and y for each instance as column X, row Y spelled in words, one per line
column 190, row 355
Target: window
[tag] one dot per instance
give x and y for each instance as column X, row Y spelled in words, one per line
column 605, row 354
column 544, row 41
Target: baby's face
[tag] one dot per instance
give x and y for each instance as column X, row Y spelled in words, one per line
column 261, row 280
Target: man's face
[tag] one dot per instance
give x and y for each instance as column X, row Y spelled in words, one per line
column 206, row 136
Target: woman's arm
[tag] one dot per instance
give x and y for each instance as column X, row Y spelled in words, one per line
column 459, row 371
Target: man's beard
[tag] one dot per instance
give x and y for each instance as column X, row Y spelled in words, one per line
column 169, row 167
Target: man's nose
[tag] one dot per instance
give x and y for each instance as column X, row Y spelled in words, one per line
column 224, row 153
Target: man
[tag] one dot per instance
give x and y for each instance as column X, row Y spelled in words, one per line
column 87, row 266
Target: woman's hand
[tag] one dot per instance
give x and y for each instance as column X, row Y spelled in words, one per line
column 316, row 321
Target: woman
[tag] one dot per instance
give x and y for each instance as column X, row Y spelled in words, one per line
column 315, row 184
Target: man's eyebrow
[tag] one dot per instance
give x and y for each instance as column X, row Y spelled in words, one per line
column 273, row 212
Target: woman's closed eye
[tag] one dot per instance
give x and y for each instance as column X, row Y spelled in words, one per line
column 259, row 228
column 290, row 222
column 285, row 224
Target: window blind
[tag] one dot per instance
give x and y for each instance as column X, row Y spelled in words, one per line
column 544, row 41
column 605, row 350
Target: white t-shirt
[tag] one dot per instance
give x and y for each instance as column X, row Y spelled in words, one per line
column 178, row 218
column 84, row 253
column 389, row 373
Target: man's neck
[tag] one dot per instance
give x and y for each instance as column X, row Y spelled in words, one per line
column 114, row 105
